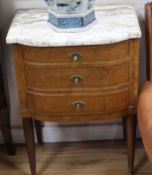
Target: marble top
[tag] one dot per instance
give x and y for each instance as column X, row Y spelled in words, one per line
column 115, row 23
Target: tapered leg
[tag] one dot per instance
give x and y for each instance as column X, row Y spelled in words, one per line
column 38, row 127
column 131, row 136
column 29, row 138
column 6, row 133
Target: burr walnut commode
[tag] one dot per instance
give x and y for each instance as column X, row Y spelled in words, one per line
column 85, row 76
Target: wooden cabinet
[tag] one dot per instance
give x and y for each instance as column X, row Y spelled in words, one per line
column 83, row 76
column 79, row 83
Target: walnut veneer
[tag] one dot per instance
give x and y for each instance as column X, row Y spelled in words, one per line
column 80, row 83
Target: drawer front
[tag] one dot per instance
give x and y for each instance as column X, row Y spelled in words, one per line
column 65, row 78
column 77, row 55
column 85, row 103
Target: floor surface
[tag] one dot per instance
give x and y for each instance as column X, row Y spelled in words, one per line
column 77, row 158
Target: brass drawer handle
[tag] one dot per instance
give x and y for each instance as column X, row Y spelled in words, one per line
column 78, row 104
column 76, row 78
column 75, row 56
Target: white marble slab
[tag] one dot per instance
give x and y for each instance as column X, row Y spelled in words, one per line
column 115, row 23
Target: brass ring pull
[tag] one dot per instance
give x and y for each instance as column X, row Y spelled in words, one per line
column 76, row 78
column 75, row 56
column 78, row 104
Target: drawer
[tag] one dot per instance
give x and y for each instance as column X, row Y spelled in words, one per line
column 77, row 55
column 66, row 78
column 83, row 103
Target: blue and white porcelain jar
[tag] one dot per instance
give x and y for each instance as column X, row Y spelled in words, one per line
column 71, row 15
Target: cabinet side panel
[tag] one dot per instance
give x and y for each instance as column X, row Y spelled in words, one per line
column 20, row 78
column 134, row 71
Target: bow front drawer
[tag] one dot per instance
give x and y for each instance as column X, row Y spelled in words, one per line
column 77, row 55
column 78, row 103
column 66, row 78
